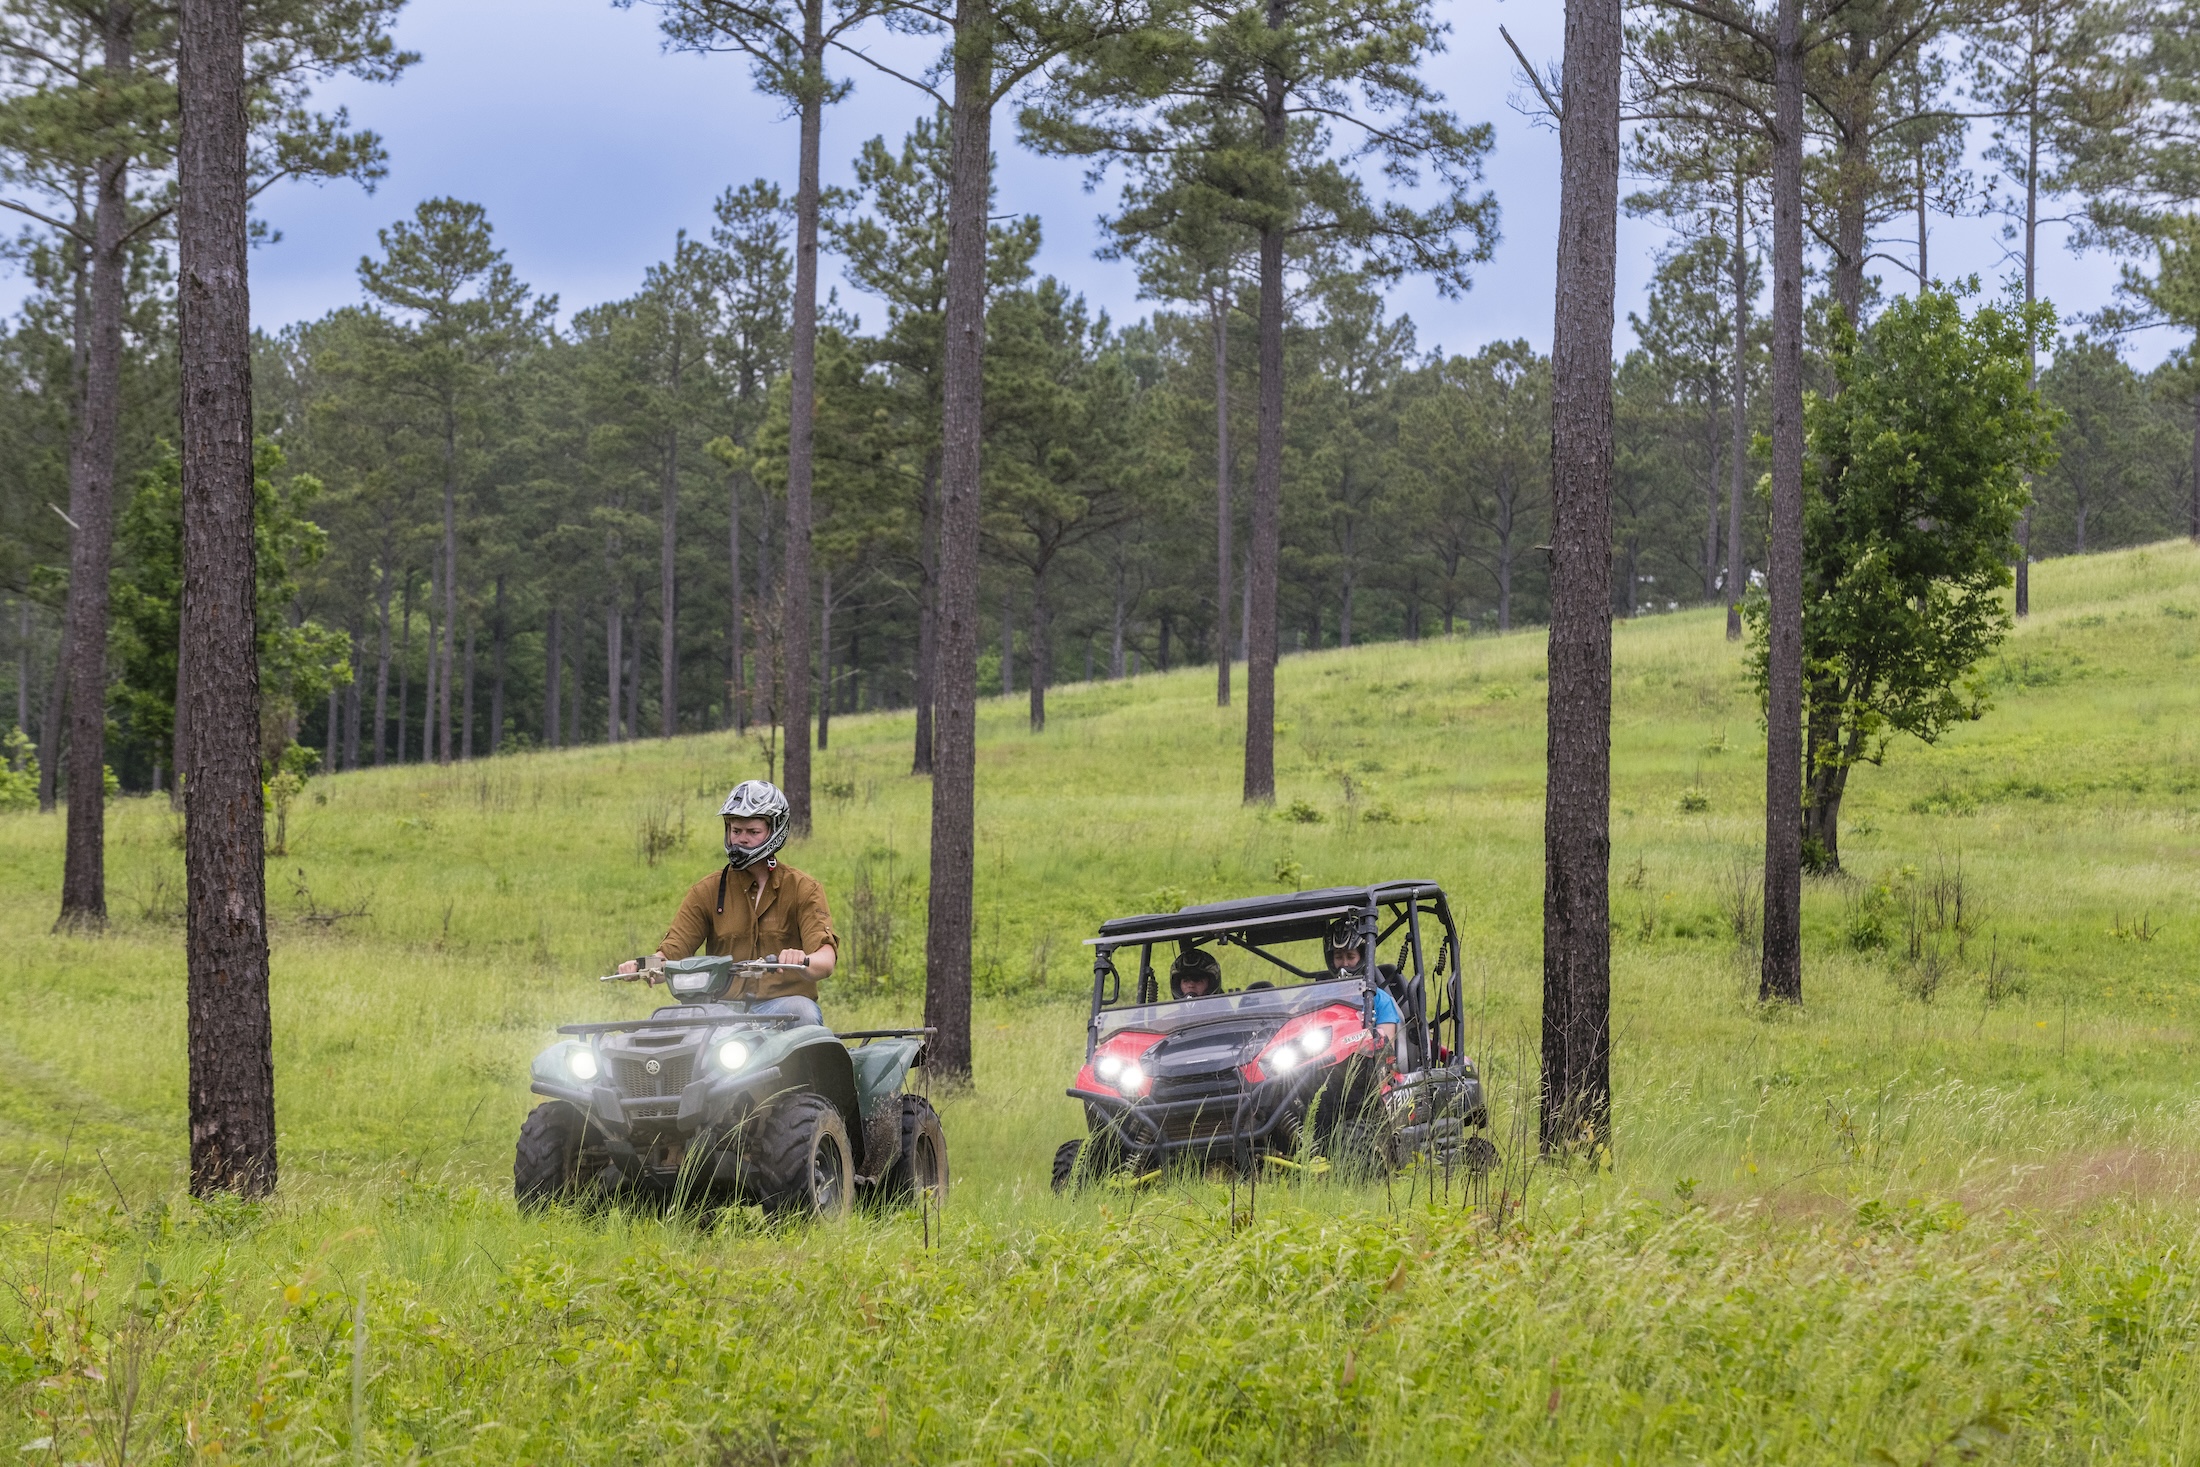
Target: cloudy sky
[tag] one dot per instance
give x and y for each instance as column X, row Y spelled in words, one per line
column 590, row 147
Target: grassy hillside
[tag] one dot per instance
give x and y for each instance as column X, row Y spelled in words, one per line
column 1947, row 1207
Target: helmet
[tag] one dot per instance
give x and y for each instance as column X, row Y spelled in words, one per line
column 756, row 799
column 1196, row 964
column 1344, row 936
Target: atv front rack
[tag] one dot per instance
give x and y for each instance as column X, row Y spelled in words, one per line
column 702, row 1021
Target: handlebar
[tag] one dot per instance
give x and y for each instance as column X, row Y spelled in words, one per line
column 651, row 974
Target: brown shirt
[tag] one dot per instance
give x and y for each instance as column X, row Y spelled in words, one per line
column 746, row 925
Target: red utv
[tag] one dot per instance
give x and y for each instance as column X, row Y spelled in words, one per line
column 1279, row 1049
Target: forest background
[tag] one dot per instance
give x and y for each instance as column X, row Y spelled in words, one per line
column 616, row 471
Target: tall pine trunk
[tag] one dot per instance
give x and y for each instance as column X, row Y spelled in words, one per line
column 955, row 673
column 801, row 420
column 441, row 705
column 1781, row 974
column 1739, row 484
column 1219, row 306
column 737, row 708
column 91, row 507
column 232, row 1067
column 1576, row 1108
column 1260, row 629
column 928, row 579
column 668, row 642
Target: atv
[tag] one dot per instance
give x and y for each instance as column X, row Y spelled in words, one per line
column 704, row 1102
column 1286, row 1061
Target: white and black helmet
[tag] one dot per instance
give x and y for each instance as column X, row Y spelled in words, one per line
column 756, row 799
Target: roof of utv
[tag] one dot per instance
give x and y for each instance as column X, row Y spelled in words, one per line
column 1313, row 908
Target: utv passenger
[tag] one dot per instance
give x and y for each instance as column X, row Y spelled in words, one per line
column 1195, row 974
column 1348, row 959
column 756, row 908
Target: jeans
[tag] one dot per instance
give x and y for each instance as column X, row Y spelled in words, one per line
column 805, row 1009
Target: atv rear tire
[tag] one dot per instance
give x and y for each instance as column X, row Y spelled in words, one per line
column 546, row 1166
column 798, row 1160
column 920, row 1171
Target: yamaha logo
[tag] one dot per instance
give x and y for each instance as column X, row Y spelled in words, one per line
column 652, row 1067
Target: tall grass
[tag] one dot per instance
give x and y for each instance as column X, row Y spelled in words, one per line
column 1934, row 1214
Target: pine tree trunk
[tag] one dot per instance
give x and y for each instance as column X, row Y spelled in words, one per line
column 668, row 642
column 1781, row 974
column 442, row 704
column 825, row 657
column 1739, row 484
column 1220, row 308
column 1260, row 627
column 955, row 686
column 49, row 725
column 466, row 712
column 613, row 652
column 496, row 672
column 737, row 708
column 381, row 674
column 928, row 581
column 553, row 660
column 232, row 1068
column 91, row 507
column 1040, row 662
column 1576, row 1100
column 801, row 419
column 1008, row 647
column 404, row 671
column 436, row 677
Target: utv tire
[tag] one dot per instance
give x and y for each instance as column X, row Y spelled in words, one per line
column 798, row 1161
column 546, row 1166
column 920, row 1171
column 1078, row 1164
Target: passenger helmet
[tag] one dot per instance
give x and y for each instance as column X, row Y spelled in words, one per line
column 756, row 799
column 1344, row 936
column 1197, row 963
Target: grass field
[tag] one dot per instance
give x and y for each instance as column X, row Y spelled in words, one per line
column 1948, row 1211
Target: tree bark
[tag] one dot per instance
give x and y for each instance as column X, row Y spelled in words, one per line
column 466, row 710
column 948, row 918
column 2031, row 260
column 1260, row 629
column 801, row 420
column 928, row 578
column 496, row 672
column 613, row 656
column 737, row 708
column 232, row 1068
column 1576, row 1108
column 442, row 705
column 552, row 678
column 1781, row 974
column 1735, row 565
column 49, row 725
column 1220, row 308
column 1008, row 646
column 668, row 642
column 91, row 507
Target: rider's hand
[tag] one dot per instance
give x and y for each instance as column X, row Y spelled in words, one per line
column 629, row 966
column 794, row 955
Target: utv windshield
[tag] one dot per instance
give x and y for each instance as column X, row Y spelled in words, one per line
column 1259, row 1003
column 1258, row 979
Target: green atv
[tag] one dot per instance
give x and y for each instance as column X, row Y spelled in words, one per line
column 704, row 1102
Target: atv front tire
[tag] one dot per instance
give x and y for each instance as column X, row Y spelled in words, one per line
column 546, row 1166
column 920, row 1171
column 798, row 1161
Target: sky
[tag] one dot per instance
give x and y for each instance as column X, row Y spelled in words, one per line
column 590, row 146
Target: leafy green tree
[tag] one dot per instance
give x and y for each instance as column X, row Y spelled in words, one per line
column 2115, row 480
column 1920, row 464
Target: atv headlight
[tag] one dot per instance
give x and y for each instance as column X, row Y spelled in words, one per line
column 582, row 1063
column 733, row 1054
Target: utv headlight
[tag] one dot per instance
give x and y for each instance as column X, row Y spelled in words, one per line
column 582, row 1062
column 733, row 1054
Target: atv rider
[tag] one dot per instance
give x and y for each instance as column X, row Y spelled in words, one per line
column 1348, row 959
column 756, row 908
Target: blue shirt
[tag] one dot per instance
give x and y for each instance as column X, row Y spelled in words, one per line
column 1386, row 1009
